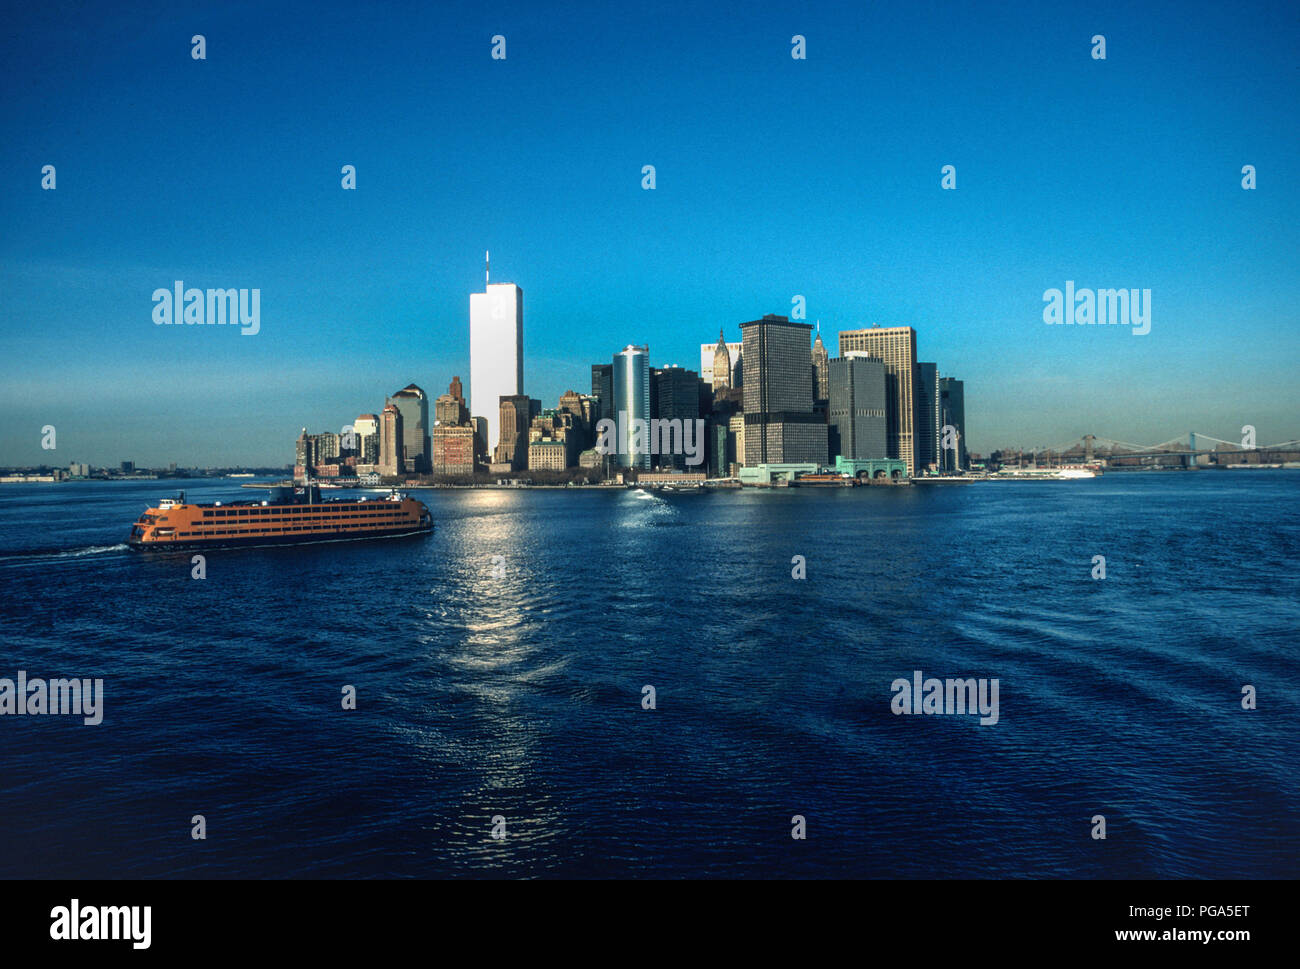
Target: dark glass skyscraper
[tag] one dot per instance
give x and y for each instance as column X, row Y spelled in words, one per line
column 927, row 417
column 780, row 426
column 857, row 407
column 952, row 411
column 602, row 388
column 676, row 396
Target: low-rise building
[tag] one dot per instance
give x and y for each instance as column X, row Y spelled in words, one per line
column 548, row 454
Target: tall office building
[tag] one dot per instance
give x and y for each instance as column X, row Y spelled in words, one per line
column 326, row 448
column 602, row 388
column 717, row 437
column 513, row 413
column 820, row 374
column 780, row 425
column 390, row 441
column 676, row 397
column 365, row 426
column 632, row 402
column 676, row 394
column 302, row 456
column 454, row 445
column 450, row 408
column 416, row 451
column 366, row 429
column 736, row 440
column 496, row 352
column 952, row 411
column 927, row 417
column 711, row 371
column 857, row 407
column 896, row 347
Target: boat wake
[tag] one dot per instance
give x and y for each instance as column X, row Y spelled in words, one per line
column 42, row 554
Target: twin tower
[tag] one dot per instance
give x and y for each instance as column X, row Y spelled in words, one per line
column 496, row 352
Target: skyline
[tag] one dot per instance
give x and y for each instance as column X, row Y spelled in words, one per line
column 771, row 184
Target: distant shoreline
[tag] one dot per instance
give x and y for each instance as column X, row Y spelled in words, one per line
column 713, row 484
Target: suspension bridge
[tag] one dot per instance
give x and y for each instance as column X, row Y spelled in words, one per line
column 1193, row 450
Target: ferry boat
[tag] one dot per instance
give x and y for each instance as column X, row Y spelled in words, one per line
column 291, row 516
column 1069, row 472
column 824, row 480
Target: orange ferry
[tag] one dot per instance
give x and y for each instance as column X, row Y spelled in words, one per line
column 289, row 517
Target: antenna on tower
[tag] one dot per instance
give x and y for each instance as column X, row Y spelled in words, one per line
column 487, row 267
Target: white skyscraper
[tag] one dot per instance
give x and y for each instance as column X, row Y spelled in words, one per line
column 496, row 353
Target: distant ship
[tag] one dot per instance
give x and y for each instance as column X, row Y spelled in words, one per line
column 289, row 517
column 1068, row 473
column 827, row 480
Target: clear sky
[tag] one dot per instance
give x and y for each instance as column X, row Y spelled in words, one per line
column 775, row 177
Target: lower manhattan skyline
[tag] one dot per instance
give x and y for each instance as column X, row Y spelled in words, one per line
column 936, row 205
column 317, row 402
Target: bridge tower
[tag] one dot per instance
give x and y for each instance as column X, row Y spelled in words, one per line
column 1087, row 448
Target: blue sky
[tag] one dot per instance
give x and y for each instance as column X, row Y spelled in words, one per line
column 775, row 177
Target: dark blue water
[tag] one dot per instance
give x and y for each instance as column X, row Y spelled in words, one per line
column 520, row 695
